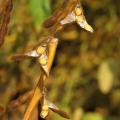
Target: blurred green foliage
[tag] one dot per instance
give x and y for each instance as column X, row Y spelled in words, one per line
column 40, row 10
column 85, row 79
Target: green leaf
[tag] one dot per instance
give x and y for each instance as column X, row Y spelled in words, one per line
column 40, row 10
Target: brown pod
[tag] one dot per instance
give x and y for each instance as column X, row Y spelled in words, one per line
column 44, row 108
column 66, row 8
column 18, row 57
column 53, row 19
column 55, row 109
column 5, row 20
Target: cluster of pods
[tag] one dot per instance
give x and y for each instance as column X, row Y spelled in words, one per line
column 70, row 11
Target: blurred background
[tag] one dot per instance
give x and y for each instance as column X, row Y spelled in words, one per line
column 85, row 77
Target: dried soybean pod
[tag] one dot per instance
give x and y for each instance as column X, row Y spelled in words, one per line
column 66, row 8
column 5, row 20
column 44, row 108
column 80, row 18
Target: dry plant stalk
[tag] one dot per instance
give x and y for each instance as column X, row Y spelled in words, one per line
column 70, row 11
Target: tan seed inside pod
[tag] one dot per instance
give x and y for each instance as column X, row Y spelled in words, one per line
column 41, row 50
column 45, row 108
column 78, row 11
column 43, row 59
column 79, row 19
